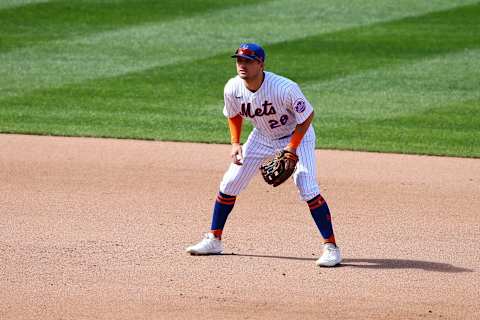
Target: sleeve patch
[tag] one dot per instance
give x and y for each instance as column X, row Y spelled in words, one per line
column 299, row 106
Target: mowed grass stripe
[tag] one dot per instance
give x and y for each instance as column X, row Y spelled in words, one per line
column 437, row 52
column 450, row 130
column 17, row 3
column 354, row 50
column 404, row 88
column 46, row 21
column 136, row 48
column 428, row 107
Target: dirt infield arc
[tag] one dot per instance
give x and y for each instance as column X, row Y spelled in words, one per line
column 96, row 229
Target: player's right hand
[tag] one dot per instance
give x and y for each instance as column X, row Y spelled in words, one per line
column 236, row 154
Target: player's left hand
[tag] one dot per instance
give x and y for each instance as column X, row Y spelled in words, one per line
column 291, row 162
column 291, row 149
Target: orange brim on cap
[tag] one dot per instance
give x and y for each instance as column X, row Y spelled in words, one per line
column 246, row 57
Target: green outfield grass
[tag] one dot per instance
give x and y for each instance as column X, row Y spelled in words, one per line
column 382, row 75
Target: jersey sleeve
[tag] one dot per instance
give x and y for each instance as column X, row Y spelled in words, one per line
column 299, row 105
column 229, row 108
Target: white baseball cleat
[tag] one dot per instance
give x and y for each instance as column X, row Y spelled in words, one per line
column 331, row 256
column 209, row 245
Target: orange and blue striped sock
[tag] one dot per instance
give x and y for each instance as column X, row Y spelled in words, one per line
column 321, row 215
column 223, row 206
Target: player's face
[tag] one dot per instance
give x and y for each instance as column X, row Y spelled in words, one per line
column 249, row 69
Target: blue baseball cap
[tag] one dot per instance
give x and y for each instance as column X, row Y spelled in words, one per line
column 251, row 51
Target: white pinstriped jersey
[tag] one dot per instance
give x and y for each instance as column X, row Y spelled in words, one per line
column 274, row 109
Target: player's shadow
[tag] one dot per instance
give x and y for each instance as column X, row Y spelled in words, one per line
column 367, row 263
column 403, row 264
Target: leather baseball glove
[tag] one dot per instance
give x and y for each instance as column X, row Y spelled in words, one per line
column 278, row 169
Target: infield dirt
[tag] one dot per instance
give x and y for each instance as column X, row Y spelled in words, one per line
column 96, row 229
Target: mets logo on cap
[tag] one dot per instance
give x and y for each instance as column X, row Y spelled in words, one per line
column 299, row 106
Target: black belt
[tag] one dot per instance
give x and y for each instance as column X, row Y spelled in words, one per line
column 288, row 135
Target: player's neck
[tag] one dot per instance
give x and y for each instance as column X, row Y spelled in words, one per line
column 254, row 84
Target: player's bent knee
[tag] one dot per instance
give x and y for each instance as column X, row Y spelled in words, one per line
column 307, row 186
column 228, row 189
column 232, row 186
column 306, row 195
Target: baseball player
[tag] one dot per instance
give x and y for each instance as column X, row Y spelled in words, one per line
column 281, row 116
